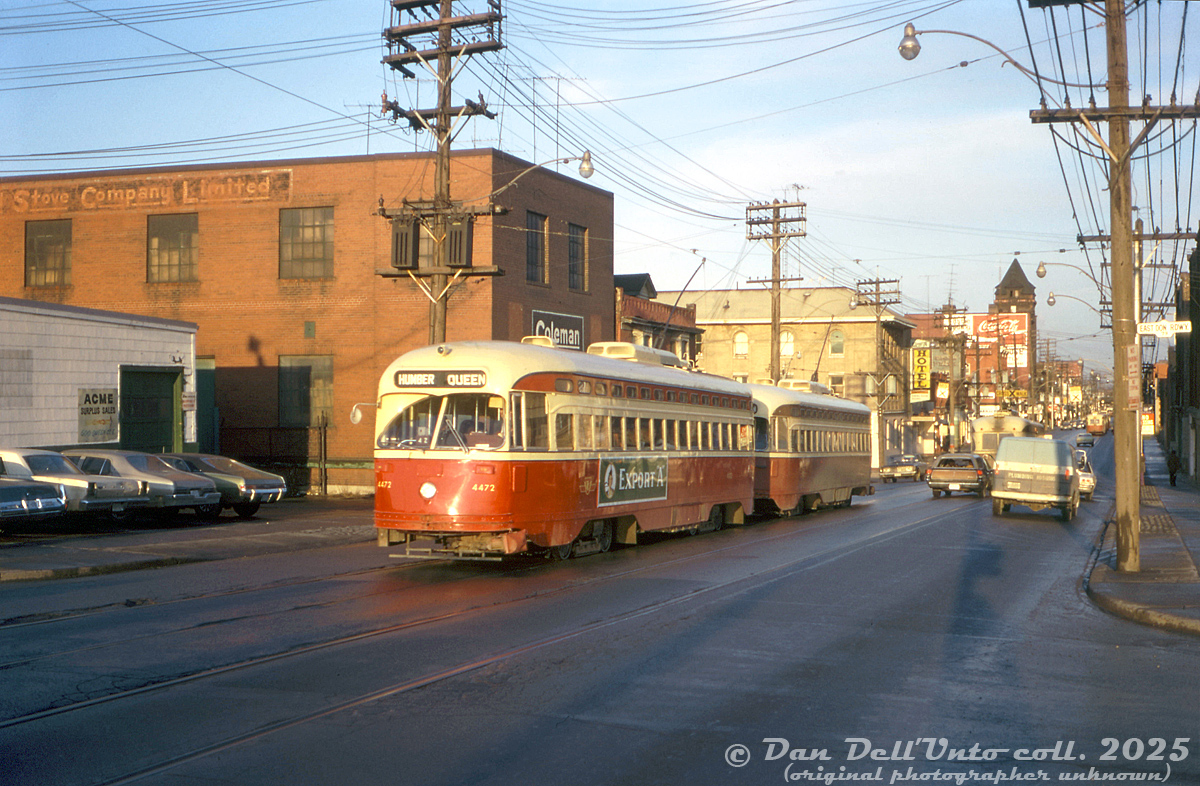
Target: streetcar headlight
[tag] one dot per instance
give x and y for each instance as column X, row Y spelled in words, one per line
column 428, row 490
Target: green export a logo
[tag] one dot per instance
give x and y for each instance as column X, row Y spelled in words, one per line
column 632, row 479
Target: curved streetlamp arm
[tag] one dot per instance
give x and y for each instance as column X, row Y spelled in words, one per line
column 1052, row 298
column 910, row 48
column 585, row 170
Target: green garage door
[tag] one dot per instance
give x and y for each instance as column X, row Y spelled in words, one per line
column 151, row 410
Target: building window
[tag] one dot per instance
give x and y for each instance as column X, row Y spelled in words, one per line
column 837, row 344
column 577, row 258
column 306, row 242
column 741, row 344
column 787, row 344
column 305, row 390
column 535, row 248
column 837, row 384
column 173, row 248
column 48, row 253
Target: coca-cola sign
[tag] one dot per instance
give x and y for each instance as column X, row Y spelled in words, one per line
column 1003, row 328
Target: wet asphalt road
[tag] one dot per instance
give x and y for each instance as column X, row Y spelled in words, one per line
column 901, row 619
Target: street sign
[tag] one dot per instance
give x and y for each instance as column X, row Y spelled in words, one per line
column 1164, row 329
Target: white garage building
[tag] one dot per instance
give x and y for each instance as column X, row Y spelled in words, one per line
column 77, row 376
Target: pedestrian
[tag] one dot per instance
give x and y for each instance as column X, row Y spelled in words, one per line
column 1173, row 465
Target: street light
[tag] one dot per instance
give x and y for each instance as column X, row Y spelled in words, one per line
column 910, row 48
column 586, row 170
column 1050, row 301
column 1041, row 272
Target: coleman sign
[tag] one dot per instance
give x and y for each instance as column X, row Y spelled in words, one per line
column 565, row 330
column 633, row 479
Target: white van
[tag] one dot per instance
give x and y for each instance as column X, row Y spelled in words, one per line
column 1037, row 473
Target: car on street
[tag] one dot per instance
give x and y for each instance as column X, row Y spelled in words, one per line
column 959, row 472
column 904, row 466
column 170, row 489
column 28, row 500
column 1085, row 440
column 85, row 493
column 1087, row 478
column 1037, row 473
column 243, row 487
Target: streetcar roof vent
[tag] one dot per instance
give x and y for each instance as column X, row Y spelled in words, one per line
column 635, row 352
column 804, row 385
column 540, row 341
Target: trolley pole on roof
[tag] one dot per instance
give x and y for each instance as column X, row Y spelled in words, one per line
column 776, row 222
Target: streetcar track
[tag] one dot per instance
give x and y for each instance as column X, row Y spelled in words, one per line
column 764, row 577
column 806, row 562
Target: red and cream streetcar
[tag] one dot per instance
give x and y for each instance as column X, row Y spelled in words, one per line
column 489, row 448
column 811, row 450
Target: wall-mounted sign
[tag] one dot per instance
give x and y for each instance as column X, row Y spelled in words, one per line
column 633, row 479
column 97, row 415
column 921, row 366
column 565, row 330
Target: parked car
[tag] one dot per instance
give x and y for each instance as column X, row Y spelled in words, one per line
column 1087, row 478
column 959, row 472
column 1085, row 440
column 169, row 488
column 85, row 493
column 29, row 500
column 1038, row 473
column 905, row 466
column 242, row 487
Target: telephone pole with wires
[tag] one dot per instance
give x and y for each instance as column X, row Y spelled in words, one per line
column 776, row 222
column 444, row 225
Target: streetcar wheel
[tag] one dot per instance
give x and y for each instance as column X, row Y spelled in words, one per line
column 604, row 536
column 560, row 553
column 716, row 518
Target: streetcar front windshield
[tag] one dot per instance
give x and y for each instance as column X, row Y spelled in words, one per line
column 459, row 421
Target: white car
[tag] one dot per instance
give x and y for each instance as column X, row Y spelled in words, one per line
column 84, row 492
column 1087, row 478
column 169, row 488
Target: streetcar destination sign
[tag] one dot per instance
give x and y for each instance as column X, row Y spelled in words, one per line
column 1164, row 329
column 632, row 479
column 440, row 379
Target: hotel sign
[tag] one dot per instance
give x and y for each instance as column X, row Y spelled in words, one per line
column 179, row 191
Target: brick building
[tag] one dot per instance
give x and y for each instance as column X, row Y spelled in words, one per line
column 277, row 263
column 641, row 319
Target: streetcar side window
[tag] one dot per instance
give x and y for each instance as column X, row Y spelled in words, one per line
column 564, row 431
column 618, row 432
column 584, row 440
column 645, row 434
column 600, row 425
column 631, row 440
column 530, row 423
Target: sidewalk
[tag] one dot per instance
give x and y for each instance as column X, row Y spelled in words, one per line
column 288, row 525
column 1165, row 593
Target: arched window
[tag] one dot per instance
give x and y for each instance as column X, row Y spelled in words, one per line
column 837, row 344
column 787, row 344
column 741, row 344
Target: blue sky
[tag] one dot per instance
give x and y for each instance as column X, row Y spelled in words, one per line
column 929, row 171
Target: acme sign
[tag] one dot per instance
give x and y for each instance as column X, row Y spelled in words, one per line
column 149, row 192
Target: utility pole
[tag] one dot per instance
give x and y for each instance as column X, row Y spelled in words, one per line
column 447, row 224
column 1127, row 362
column 878, row 294
column 775, row 222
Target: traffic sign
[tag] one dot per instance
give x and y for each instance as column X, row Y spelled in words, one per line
column 1164, row 329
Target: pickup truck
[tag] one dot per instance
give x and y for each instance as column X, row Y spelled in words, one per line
column 906, row 466
column 960, row 472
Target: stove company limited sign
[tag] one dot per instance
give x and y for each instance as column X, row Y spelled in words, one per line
column 155, row 192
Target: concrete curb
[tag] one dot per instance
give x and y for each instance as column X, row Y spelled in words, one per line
column 1143, row 615
column 42, row 574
